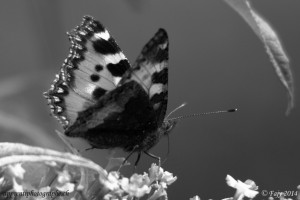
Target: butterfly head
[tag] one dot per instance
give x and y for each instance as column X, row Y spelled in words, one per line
column 168, row 125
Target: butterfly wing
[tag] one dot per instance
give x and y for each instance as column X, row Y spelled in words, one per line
column 151, row 72
column 130, row 114
column 94, row 67
column 98, row 96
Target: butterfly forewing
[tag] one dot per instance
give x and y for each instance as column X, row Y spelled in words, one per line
column 151, row 72
column 94, row 67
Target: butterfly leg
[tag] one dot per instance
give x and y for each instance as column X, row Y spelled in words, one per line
column 137, row 160
column 90, row 148
column 123, row 163
column 153, row 156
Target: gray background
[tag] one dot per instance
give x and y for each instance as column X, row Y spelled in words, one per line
column 216, row 62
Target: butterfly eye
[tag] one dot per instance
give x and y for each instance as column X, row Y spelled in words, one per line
column 170, row 128
column 169, row 125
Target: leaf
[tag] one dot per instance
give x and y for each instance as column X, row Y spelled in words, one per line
column 25, row 168
column 270, row 39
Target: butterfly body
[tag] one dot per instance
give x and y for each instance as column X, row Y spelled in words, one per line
column 100, row 97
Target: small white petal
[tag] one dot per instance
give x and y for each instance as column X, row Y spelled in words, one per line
column 113, row 181
column 195, row 198
column 66, row 187
column 1, row 180
column 250, row 193
column 168, row 178
column 16, row 170
column 155, row 172
column 64, row 177
column 158, row 193
column 16, row 186
column 231, row 181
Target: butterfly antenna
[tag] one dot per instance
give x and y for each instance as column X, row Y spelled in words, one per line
column 206, row 113
column 182, row 105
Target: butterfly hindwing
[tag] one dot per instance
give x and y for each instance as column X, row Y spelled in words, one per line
column 94, row 67
column 122, row 118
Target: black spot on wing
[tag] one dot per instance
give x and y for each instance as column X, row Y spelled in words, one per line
column 99, row 27
column 95, row 77
column 159, row 102
column 158, row 98
column 160, row 77
column 162, row 55
column 119, row 68
column 98, row 92
column 106, row 47
column 98, row 68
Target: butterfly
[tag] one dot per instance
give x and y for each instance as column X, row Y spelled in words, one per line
column 100, row 97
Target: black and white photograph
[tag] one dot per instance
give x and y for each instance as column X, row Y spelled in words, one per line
column 149, row 100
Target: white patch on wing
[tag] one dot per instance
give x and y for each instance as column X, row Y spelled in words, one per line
column 104, row 35
column 160, row 66
column 164, row 45
column 74, row 104
column 82, row 84
column 156, row 106
column 117, row 80
column 156, row 88
column 90, row 88
column 114, row 58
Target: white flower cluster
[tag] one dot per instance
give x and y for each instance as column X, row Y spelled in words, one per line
column 243, row 189
column 153, row 183
column 16, row 172
column 246, row 189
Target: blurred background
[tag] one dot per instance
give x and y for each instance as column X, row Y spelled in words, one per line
column 216, row 62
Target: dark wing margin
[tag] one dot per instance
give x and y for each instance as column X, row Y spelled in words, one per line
column 94, row 66
column 151, row 72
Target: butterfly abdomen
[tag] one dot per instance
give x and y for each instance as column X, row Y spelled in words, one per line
column 108, row 139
